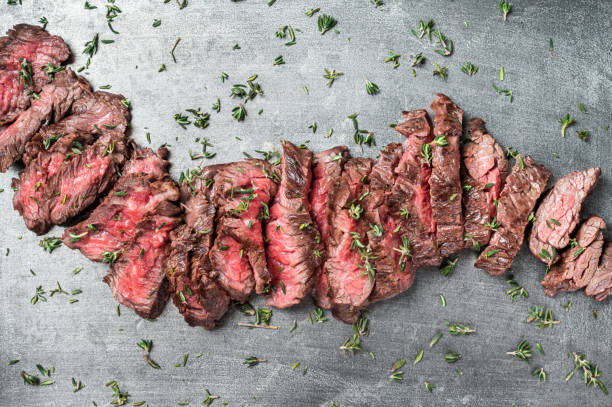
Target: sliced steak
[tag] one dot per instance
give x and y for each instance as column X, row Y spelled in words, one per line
column 241, row 193
column 137, row 279
column 559, row 213
column 54, row 102
column 484, row 173
column 30, row 186
column 518, row 198
column 600, row 285
column 394, row 273
column 349, row 265
column 578, row 263
column 77, row 185
column 445, row 180
column 112, row 224
column 32, row 44
column 293, row 250
column 410, row 200
column 327, row 169
column 145, row 160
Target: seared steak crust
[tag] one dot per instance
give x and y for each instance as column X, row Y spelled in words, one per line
column 522, row 189
column 445, row 181
column 293, row 251
column 327, row 169
column 578, row 264
column 410, row 201
column 484, row 173
column 600, row 285
column 559, row 213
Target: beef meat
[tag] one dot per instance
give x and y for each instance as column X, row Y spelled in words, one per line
column 293, row 251
column 112, row 224
column 386, row 239
column 518, row 198
column 241, row 193
column 32, row 181
column 349, row 265
column 327, row 169
column 410, row 200
column 137, row 278
column 54, row 102
column 445, row 180
column 484, row 173
column 559, row 213
column 35, row 46
column 579, row 263
column 600, row 285
column 145, row 160
column 77, row 185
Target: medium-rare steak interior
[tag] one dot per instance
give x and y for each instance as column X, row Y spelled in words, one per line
column 484, row 174
column 54, row 101
column 293, row 249
column 26, row 49
column 559, row 213
column 410, row 199
column 327, row 168
column 518, row 198
column 579, row 262
column 445, row 181
column 600, row 285
column 349, row 266
column 32, row 181
column 137, row 278
column 241, row 194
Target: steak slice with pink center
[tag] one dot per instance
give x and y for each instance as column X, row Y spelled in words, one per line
column 600, row 285
column 559, row 213
column 327, row 169
column 293, row 249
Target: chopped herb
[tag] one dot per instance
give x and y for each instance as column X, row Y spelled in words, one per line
column 448, row 267
column 312, row 11
column 469, row 69
column 50, row 243
column 39, row 295
column 442, row 301
column 325, row 23
column 451, row 356
column 543, row 317
column 146, row 345
column 424, row 28
column 417, row 59
column 397, row 376
column 444, row 42
column 505, row 7
column 253, row 361
column 435, row 340
column 505, row 92
column 491, row 253
column 278, row 60
column 540, row 373
column 331, row 75
column 522, row 352
column 174, row 48
column 393, row 58
column 459, row 329
column 582, row 108
column 583, row 134
column 565, row 122
column 156, row 22
column 516, row 291
column 441, row 71
column 239, row 112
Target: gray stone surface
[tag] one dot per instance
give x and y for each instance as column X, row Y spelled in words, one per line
column 88, row 341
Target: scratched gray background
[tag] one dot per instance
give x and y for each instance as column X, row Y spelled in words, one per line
column 83, row 340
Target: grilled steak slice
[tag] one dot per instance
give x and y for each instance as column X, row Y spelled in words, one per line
column 32, row 181
column 349, row 265
column 54, row 102
column 112, row 224
column 410, row 201
column 579, row 263
column 327, row 169
column 393, row 271
column 198, row 297
column 559, row 213
column 484, row 173
column 600, row 285
column 522, row 189
column 77, row 185
column 241, row 193
column 35, row 46
column 137, row 279
column 445, row 181
column 293, row 251
column 145, row 160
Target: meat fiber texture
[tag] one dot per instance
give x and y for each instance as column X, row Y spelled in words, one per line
column 327, row 169
column 35, row 46
column 54, row 101
column 194, row 291
column 348, row 266
column 559, row 213
column 137, row 278
column 410, row 199
column 293, row 250
column 485, row 169
column 518, row 198
column 241, row 194
column 600, row 285
column 579, row 263
column 112, row 224
column 32, row 181
column 386, row 238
